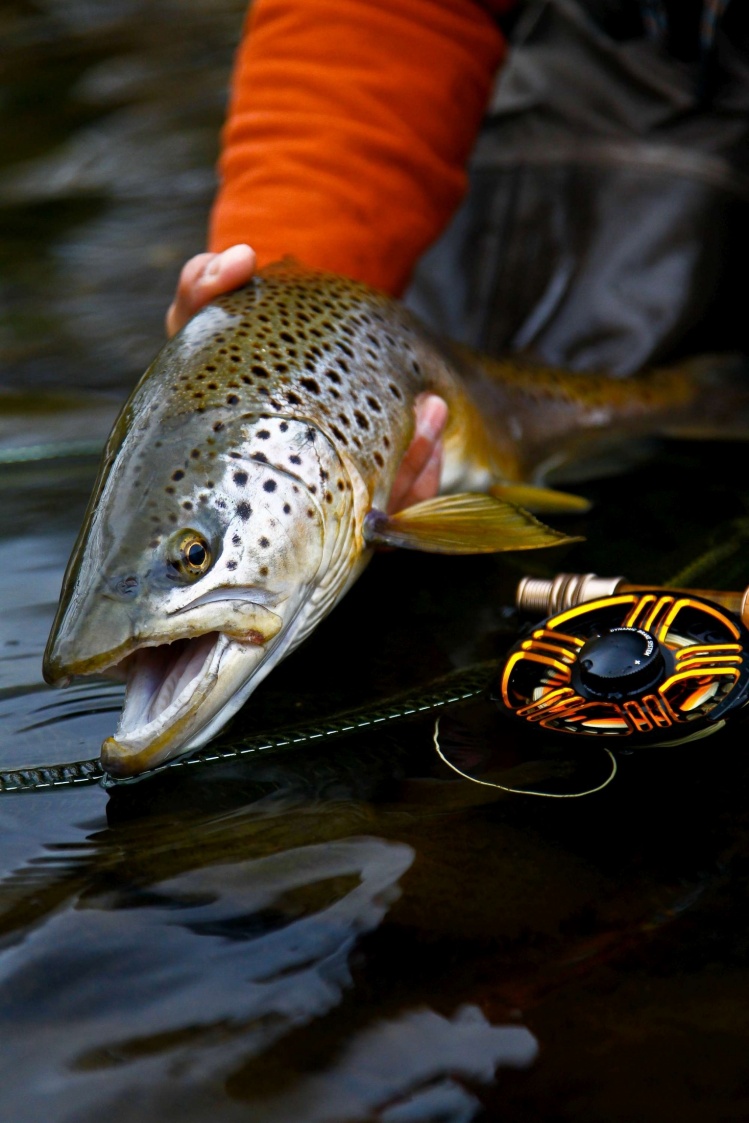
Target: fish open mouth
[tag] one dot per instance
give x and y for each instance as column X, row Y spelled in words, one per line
column 167, row 686
column 158, row 680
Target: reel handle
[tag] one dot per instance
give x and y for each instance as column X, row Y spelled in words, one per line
column 538, row 596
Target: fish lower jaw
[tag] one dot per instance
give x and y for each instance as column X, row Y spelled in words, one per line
column 168, row 702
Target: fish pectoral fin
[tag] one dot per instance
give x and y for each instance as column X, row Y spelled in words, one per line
column 467, row 523
column 545, row 500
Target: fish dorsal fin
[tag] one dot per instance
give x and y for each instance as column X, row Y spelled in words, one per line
column 467, row 523
column 542, row 499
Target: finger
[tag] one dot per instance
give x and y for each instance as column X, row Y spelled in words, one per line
column 206, row 276
column 427, row 483
column 423, row 457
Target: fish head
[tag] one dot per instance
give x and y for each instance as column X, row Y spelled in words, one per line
column 202, row 562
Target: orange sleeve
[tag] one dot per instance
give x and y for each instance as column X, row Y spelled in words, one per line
column 349, row 128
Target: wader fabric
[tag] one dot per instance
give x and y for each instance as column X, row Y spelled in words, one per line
column 607, row 221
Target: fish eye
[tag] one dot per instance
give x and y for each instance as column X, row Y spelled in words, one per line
column 191, row 554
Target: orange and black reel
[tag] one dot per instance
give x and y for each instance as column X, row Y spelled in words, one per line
column 645, row 667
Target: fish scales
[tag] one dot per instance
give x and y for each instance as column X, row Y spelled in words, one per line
column 248, row 478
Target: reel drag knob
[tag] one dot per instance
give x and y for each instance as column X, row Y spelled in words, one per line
column 620, row 663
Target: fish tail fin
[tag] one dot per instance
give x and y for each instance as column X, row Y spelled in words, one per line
column 717, row 405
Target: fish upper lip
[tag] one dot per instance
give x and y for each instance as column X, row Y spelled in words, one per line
column 56, row 669
column 260, row 597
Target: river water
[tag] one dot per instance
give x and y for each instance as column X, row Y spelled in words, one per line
column 340, row 935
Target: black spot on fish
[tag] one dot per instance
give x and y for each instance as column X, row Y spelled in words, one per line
column 311, row 435
column 338, row 434
column 328, row 497
column 235, row 455
column 178, row 475
column 263, row 570
column 311, row 385
column 286, row 509
column 169, row 489
column 218, row 426
column 283, row 426
column 269, row 485
column 340, row 485
column 386, row 441
column 292, row 398
column 378, row 459
column 261, row 372
column 264, row 543
column 195, row 454
column 187, row 505
column 232, row 400
column 244, row 510
column 240, row 478
column 310, row 513
column 236, row 540
column 373, row 403
column 394, row 390
column 211, row 369
column 295, row 459
column 263, row 434
column 231, row 565
column 361, row 420
column 260, row 457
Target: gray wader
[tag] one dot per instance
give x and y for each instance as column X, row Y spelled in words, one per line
column 607, row 221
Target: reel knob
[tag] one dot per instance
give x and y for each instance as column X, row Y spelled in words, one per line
column 620, row 663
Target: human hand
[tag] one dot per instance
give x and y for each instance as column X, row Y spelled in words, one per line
column 205, row 276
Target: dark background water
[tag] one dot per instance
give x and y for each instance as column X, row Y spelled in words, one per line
column 348, row 935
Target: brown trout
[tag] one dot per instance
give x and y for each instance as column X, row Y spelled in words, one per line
column 246, row 481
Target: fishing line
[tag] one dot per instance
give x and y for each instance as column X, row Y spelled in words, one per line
column 459, row 686
column 524, row 791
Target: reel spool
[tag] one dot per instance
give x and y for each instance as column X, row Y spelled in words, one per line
column 646, row 667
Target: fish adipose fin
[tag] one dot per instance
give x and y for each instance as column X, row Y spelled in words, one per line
column 545, row 500
column 468, row 523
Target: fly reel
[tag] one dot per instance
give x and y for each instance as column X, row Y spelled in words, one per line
column 644, row 667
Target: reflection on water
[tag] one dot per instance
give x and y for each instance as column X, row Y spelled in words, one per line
column 346, row 936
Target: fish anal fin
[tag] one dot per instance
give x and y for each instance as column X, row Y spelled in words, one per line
column 545, row 500
column 468, row 523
